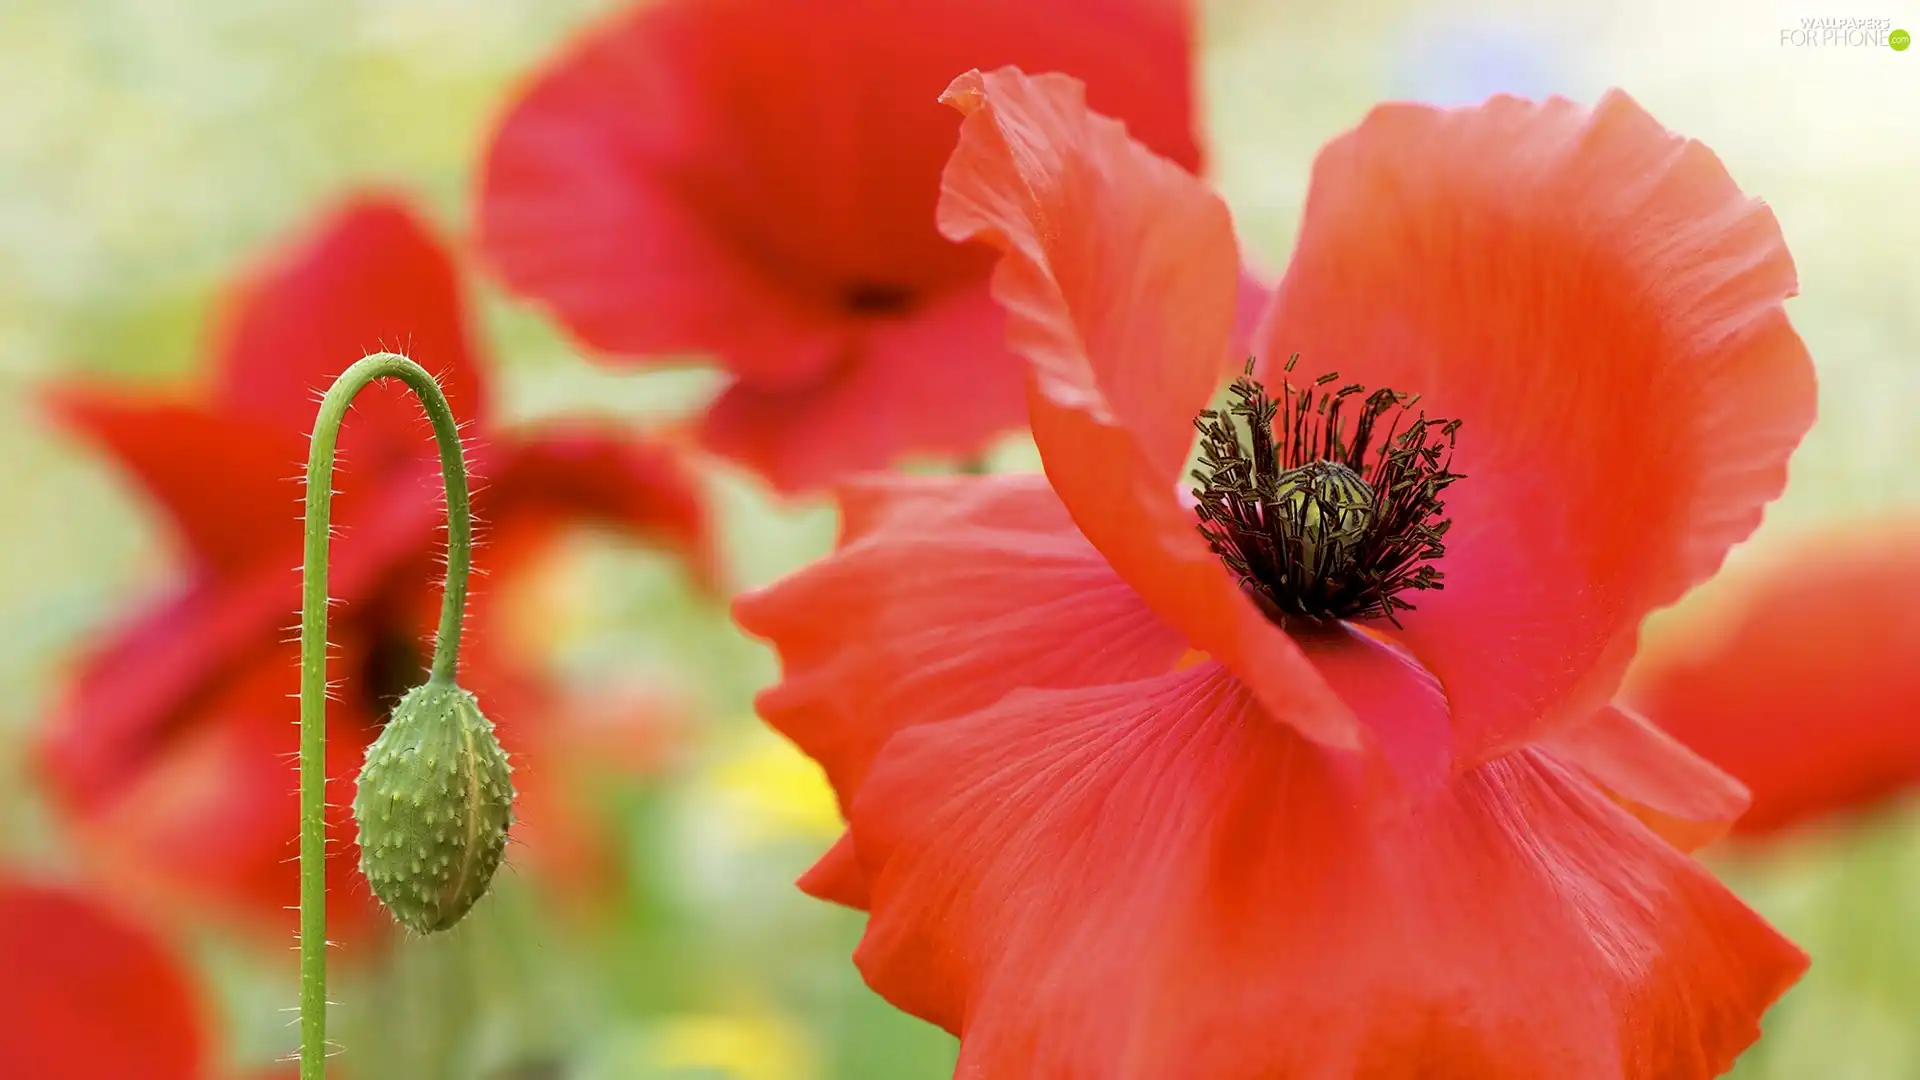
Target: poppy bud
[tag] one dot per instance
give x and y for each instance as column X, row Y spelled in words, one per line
column 434, row 806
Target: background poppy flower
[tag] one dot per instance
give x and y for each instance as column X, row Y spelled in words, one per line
column 756, row 179
column 1110, row 819
column 1803, row 683
column 172, row 747
column 90, row 994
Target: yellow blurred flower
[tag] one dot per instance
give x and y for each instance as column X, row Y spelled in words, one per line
column 774, row 791
column 742, row 1046
column 739, row 1043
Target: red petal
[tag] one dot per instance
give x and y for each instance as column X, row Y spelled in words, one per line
column 142, row 683
column 735, row 176
column 1250, row 312
column 577, row 472
column 131, row 688
column 171, row 748
column 369, row 277
column 1140, row 880
column 1672, row 790
column 201, row 808
column 1599, row 304
column 936, row 384
column 951, row 592
column 836, row 876
column 1805, row 686
column 228, row 483
column 1122, row 275
column 1120, row 280
column 90, row 994
column 700, row 175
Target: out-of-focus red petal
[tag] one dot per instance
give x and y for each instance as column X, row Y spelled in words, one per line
column 571, row 472
column 1807, row 687
column 225, row 481
column 1672, row 790
column 757, row 179
column 1249, row 315
column 1135, row 881
column 950, row 593
column 930, row 384
column 1120, row 279
column 1597, row 302
column 170, row 749
column 149, row 677
column 205, row 810
column 90, row 994
column 117, row 708
column 368, row 277
column 726, row 174
column 602, row 195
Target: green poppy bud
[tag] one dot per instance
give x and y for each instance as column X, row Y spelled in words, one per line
column 434, row 806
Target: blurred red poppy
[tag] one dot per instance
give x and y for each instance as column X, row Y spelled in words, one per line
column 1313, row 774
column 1805, row 685
column 756, row 179
column 90, row 994
column 171, row 748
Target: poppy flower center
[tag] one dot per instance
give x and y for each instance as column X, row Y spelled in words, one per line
column 394, row 663
column 877, row 298
column 1323, row 519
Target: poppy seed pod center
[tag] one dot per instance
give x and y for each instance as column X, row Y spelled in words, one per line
column 1322, row 521
column 1326, row 511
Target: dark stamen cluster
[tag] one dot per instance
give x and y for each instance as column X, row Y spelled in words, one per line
column 1319, row 520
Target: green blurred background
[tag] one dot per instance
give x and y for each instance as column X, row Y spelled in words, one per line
column 147, row 151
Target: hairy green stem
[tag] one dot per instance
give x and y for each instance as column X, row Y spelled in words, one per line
column 313, row 653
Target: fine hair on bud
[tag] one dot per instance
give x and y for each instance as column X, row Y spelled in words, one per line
column 434, row 805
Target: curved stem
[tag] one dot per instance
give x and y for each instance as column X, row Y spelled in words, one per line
column 313, row 653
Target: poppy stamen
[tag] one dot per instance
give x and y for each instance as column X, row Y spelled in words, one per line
column 1321, row 522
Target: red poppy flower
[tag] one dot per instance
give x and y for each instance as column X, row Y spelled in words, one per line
column 93, row 994
column 89, row 994
column 756, row 179
column 1804, row 686
column 1121, row 809
column 172, row 748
